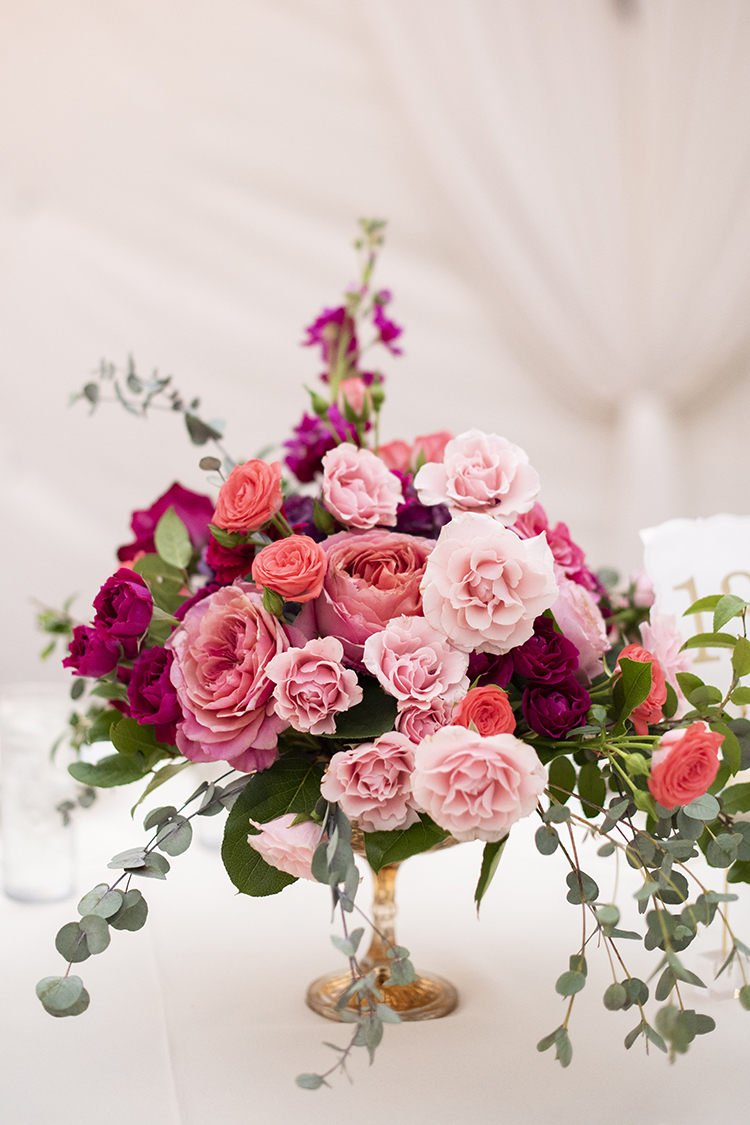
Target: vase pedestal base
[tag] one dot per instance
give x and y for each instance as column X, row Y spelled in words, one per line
column 426, row 998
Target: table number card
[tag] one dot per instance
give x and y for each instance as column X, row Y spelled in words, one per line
column 690, row 559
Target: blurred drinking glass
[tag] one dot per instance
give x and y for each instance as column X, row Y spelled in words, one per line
column 37, row 835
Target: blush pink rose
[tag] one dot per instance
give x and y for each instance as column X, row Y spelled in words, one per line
column 684, row 764
column 294, row 567
column 483, row 586
column 359, row 489
column 662, row 637
column 354, row 394
column 577, row 613
column 476, row 788
column 287, row 846
column 429, row 447
column 372, row 783
column 480, row 473
column 249, row 497
column 414, row 663
column 372, row 577
column 418, row 721
column 312, row 686
column 221, row 653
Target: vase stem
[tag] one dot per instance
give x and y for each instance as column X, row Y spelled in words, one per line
column 383, row 915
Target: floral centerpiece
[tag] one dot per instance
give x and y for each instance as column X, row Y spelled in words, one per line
column 393, row 637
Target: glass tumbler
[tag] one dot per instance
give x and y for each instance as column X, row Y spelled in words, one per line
column 37, row 836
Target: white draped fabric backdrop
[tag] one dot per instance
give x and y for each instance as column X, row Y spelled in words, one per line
column 569, row 245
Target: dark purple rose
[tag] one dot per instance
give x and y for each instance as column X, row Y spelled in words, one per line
column 556, row 709
column 388, row 330
column 547, row 657
column 92, row 651
column 490, row 669
column 413, row 518
column 124, row 608
column 228, row 563
column 195, row 510
column 311, row 441
column 152, row 697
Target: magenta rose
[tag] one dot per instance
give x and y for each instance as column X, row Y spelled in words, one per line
column 312, row 686
column 414, row 663
column 480, row 473
column 476, row 788
column 194, row 509
column 221, row 653
column 484, row 587
column 229, row 563
column 124, row 608
column 372, row 783
column 287, row 846
column 372, row 577
column 92, row 652
column 151, row 694
column 555, row 709
column 547, row 657
column 359, row 489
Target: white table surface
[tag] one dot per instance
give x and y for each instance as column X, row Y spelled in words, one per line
column 200, row 1016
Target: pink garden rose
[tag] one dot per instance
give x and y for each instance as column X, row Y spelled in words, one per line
column 372, row 577
column 372, row 783
column 414, row 663
column 359, row 489
column 476, row 788
column 417, row 721
column 577, row 613
column 480, row 473
column 221, row 653
column 483, row 586
column 312, row 685
column 287, row 846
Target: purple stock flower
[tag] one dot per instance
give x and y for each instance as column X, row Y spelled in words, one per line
column 413, row 518
column 547, row 657
column 328, row 330
column 311, row 441
column 299, row 513
column 124, row 607
column 388, row 330
column 490, row 669
column 92, row 651
column 152, row 697
column 195, row 510
column 555, row 709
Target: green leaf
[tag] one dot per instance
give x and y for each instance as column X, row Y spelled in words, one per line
column 155, row 569
column 710, row 640
column 670, row 706
column 246, row 868
column 70, row 943
column 132, row 914
column 582, row 888
column 569, row 983
column 227, row 538
column 159, row 816
column 741, row 657
column 374, row 716
column 323, row 519
column 730, row 747
column 744, row 997
column 631, row 1036
column 97, row 932
column 175, row 837
column 703, row 604
column 563, row 1047
column 741, row 696
column 162, row 775
column 490, row 860
column 704, row 808
column 736, row 798
column 310, row 1081
column 562, row 778
column 636, row 684
column 130, row 737
column 290, row 785
column 592, row 789
column 116, row 769
column 688, row 682
column 101, row 901
column 200, row 432
column 546, row 839
column 172, row 540
column 101, row 728
column 615, row 997
column 59, row 993
column 155, row 867
column 726, row 608
column 383, row 848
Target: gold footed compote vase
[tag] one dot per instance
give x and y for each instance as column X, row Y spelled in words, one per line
column 429, row 997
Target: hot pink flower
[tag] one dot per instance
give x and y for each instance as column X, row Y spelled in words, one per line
column 415, row 663
column 480, row 473
column 577, row 613
column 419, row 721
column 476, row 788
column 312, row 686
column 483, row 586
column 359, row 489
column 372, row 783
column 222, row 650
column 287, row 846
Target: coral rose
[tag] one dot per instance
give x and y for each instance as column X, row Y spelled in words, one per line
column 483, row 586
column 372, row 783
column 287, row 846
column 650, row 711
column 476, row 788
column 371, row 578
column 312, row 686
column 294, row 567
column 249, row 497
column 221, row 652
column 396, row 454
column 481, row 473
column 359, row 489
column 488, row 709
column 415, row 663
column 684, row 764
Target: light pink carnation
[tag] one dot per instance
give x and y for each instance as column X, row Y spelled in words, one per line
column 359, row 489
column 312, row 686
column 372, row 783
column 417, row 722
column 662, row 637
column 415, row 663
column 483, row 586
column 480, row 473
column 476, row 788
column 577, row 613
column 286, row 846
column 222, row 650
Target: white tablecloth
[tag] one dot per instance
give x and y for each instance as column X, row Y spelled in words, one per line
column 200, row 1016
